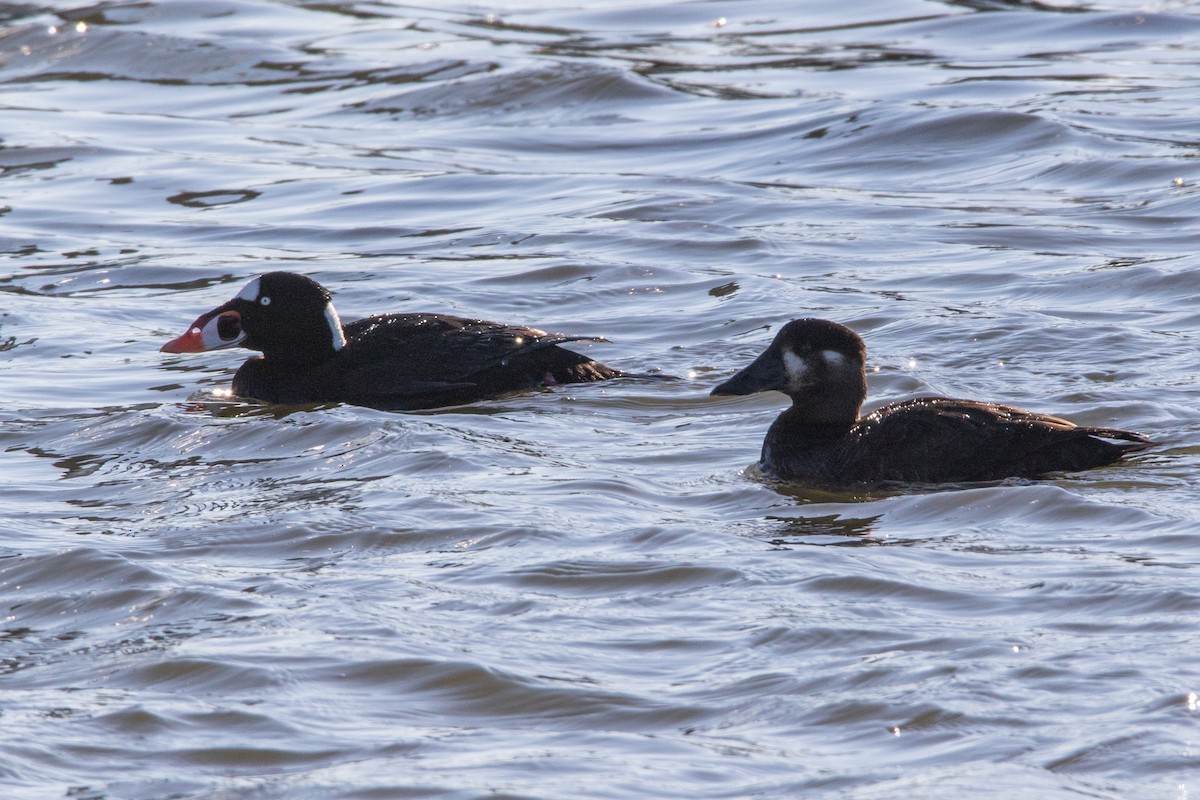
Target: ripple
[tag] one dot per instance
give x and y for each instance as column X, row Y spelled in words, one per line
column 473, row 692
column 613, row 579
column 576, row 93
column 84, row 605
column 589, row 586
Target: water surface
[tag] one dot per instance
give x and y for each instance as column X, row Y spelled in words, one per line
column 588, row 591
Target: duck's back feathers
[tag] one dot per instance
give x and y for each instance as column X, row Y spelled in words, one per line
column 939, row 440
column 423, row 360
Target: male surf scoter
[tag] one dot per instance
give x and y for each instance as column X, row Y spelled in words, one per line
column 390, row 361
column 822, row 440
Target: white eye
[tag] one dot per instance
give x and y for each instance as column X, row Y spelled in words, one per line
column 264, row 301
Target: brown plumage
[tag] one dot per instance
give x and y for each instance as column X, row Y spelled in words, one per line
column 821, row 439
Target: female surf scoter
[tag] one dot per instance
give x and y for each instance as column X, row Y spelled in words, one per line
column 821, row 439
column 391, row 361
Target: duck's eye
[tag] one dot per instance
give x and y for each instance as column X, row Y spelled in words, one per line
column 264, row 301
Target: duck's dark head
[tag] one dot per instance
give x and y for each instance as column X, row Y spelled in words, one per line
column 288, row 317
column 818, row 363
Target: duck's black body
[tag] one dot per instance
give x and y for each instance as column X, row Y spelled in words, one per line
column 392, row 361
column 822, row 440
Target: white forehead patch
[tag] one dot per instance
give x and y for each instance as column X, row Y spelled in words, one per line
column 794, row 365
column 249, row 292
column 335, row 327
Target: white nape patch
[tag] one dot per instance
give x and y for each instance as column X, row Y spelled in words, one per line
column 833, row 358
column 795, row 366
column 249, row 292
column 335, row 327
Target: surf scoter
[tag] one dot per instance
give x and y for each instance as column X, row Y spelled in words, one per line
column 821, row 439
column 390, row 361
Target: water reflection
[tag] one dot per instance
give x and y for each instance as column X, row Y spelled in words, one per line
column 845, row 531
column 214, row 197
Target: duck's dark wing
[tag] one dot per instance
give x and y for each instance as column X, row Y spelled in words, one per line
column 940, row 440
column 425, row 360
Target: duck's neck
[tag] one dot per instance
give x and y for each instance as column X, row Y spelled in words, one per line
column 816, row 419
column 797, row 428
column 306, row 347
column 305, row 342
column 297, row 361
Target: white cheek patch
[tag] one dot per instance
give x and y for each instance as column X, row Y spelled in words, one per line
column 795, row 367
column 249, row 292
column 335, row 327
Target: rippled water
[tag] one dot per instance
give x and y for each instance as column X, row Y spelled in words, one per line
column 584, row 591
